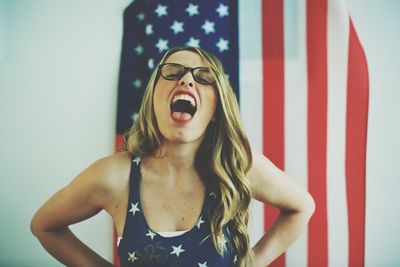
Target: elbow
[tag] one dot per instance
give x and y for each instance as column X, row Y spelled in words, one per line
column 309, row 206
column 35, row 226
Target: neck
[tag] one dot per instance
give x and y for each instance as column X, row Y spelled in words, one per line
column 173, row 160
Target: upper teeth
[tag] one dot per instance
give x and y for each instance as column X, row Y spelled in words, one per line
column 184, row 97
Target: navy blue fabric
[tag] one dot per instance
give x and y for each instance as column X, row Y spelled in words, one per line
column 140, row 246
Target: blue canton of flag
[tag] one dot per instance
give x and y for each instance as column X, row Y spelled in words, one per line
column 151, row 27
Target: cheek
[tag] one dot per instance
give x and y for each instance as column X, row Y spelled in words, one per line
column 160, row 97
column 213, row 100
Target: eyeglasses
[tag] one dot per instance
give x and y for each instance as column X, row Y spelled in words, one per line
column 175, row 71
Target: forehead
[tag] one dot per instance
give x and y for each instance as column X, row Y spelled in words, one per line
column 186, row 58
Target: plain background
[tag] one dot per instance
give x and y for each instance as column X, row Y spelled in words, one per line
column 59, row 65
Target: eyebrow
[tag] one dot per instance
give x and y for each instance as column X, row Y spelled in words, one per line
column 186, row 66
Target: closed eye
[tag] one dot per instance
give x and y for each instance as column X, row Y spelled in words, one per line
column 174, row 76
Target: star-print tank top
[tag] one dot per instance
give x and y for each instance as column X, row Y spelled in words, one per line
column 141, row 246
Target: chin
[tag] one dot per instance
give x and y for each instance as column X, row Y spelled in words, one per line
column 183, row 137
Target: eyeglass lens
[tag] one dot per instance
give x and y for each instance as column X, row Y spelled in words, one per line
column 174, row 72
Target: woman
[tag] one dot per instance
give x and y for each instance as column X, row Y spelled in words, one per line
column 179, row 195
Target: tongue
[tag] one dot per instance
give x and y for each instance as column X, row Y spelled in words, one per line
column 182, row 116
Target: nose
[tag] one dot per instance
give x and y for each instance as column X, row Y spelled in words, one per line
column 187, row 79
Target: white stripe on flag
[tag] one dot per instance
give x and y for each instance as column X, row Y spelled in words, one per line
column 338, row 43
column 250, row 81
column 296, row 110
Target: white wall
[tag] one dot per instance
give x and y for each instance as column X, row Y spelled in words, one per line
column 59, row 64
column 378, row 26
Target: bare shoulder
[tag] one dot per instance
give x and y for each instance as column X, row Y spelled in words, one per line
column 274, row 186
column 112, row 172
column 97, row 187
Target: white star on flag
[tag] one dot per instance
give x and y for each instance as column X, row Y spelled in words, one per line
column 235, row 259
column 137, row 83
column 151, row 234
column 132, row 257
column 139, row 49
column 208, row 27
column 192, row 10
column 150, row 63
column 134, row 208
column 134, row 116
column 222, row 44
column 177, row 27
column 140, row 16
column 177, row 250
column 222, row 10
column 193, row 42
column 161, row 10
column 162, row 45
column 149, row 29
column 119, row 240
column 199, row 222
column 202, row 264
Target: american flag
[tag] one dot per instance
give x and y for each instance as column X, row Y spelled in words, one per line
column 303, row 92
column 152, row 27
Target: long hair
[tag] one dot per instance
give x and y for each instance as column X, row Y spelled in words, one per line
column 223, row 158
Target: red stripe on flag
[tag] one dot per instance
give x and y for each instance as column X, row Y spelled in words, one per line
column 317, row 129
column 273, row 94
column 356, row 142
column 118, row 148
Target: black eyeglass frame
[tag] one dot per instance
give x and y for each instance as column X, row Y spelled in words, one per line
column 183, row 74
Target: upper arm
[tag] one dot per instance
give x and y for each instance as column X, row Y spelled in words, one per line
column 273, row 186
column 86, row 195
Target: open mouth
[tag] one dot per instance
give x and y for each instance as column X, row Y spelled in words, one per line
column 183, row 107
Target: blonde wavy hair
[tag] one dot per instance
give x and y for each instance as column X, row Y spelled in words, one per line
column 222, row 160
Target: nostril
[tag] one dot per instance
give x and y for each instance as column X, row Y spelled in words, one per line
column 190, row 84
column 182, row 83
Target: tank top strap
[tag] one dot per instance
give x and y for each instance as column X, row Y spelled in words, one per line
column 134, row 183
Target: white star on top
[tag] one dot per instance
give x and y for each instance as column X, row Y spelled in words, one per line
column 151, row 234
column 136, row 160
column 212, row 194
column 134, row 208
column 177, row 250
column 149, row 29
column 137, row 83
column 132, row 257
column 161, row 10
column 193, row 42
column 162, row 45
column 140, row 16
column 150, row 63
column 222, row 44
column 139, row 49
column 222, row 10
column 199, row 222
column 202, row 264
column 208, row 27
column 177, row 27
column 192, row 9
column 222, row 241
